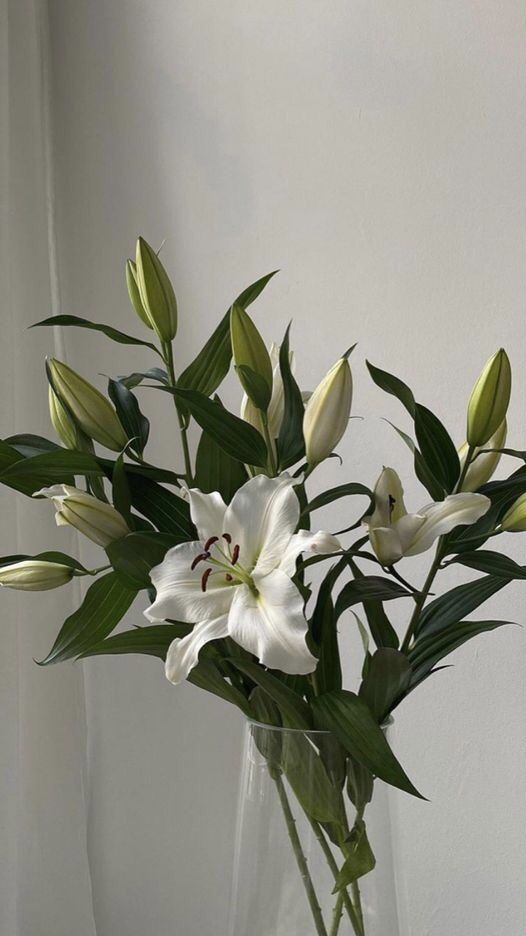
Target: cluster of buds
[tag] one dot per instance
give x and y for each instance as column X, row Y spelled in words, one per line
column 75, row 402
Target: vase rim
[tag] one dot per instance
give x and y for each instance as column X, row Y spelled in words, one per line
column 307, row 731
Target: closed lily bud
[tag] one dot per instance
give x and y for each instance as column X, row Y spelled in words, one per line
column 483, row 465
column 134, row 294
column 99, row 521
column 251, row 358
column 35, row 575
column 489, row 400
column 327, row 412
column 156, row 292
column 92, row 411
column 514, row 521
column 63, row 424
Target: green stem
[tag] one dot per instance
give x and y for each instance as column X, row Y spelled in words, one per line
column 467, row 463
column 272, row 464
column 172, row 380
column 300, row 857
column 422, row 597
column 337, row 914
column 333, row 867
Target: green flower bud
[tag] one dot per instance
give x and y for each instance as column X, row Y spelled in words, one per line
column 134, row 294
column 99, row 521
column 489, row 400
column 35, row 575
column 90, row 409
column 251, row 358
column 327, row 412
column 156, row 292
column 514, row 521
column 483, row 465
column 63, row 424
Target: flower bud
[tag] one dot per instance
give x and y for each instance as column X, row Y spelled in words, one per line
column 251, row 358
column 514, row 521
column 483, row 465
column 276, row 409
column 90, row 409
column 63, row 424
column 489, row 400
column 327, row 412
column 99, row 521
column 134, row 294
column 35, row 575
column 156, row 292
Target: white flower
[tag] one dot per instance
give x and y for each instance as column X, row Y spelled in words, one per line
column 236, row 580
column 252, row 415
column 100, row 522
column 394, row 533
column 327, row 412
column 35, row 575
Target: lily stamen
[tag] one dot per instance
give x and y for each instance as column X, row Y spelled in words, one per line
column 235, row 555
column 198, row 559
column 206, row 575
column 210, row 542
column 227, row 538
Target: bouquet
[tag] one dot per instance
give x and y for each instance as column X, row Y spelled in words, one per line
column 221, row 547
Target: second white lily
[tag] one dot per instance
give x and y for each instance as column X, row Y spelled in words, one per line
column 236, row 580
column 394, row 533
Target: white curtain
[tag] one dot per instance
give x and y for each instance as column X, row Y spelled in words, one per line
column 45, row 887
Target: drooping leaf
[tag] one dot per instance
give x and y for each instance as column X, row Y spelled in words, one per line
column 493, row 563
column 206, row 676
column 210, row 367
column 167, row 511
column 235, row 436
column 55, row 466
column 137, row 377
column 294, row 710
column 28, row 444
column 393, row 385
column 135, row 555
column 105, row 604
column 452, row 607
column 343, row 490
column 108, row 330
column 291, row 444
column 428, row 651
column 387, row 679
column 382, row 631
column 370, row 587
column 360, row 859
column 353, row 723
column 134, row 423
column 150, row 641
column 437, row 448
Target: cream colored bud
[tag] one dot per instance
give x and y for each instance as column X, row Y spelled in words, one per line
column 483, row 465
column 91, row 410
column 99, row 521
column 35, row 575
column 489, row 399
column 514, row 521
column 156, row 292
column 327, row 412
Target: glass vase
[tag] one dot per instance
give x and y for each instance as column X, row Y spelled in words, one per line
column 313, row 845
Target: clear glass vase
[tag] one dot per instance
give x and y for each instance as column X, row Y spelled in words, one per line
column 304, row 815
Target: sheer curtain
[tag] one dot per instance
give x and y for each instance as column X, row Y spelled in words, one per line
column 45, row 887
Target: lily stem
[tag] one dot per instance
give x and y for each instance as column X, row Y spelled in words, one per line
column 337, row 914
column 353, row 914
column 299, row 855
column 172, row 379
column 422, row 597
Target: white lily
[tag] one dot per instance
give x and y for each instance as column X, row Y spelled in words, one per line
column 394, row 533
column 236, row 580
column 252, row 415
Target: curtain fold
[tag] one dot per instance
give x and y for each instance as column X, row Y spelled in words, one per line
column 45, row 886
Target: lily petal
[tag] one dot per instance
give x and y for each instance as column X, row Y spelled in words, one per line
column 388, row 500
column 179, row 592
column 271, row 624
column 261, row 519
column 385, row 543
column 183, row 652
column 207, row 512
column 307, row 543
column 444, row 516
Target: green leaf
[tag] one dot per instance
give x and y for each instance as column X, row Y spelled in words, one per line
column 388, row 677
column 369, row 587
column 254, row 386
column 353, row 723
column 121, row 490
column 135, row 555
column 134, row 423
column 452, row 607
column 382, row 631
column 150, row 641
column 360, row 859
column 291, row 444
column 135, row 379
column 206, row 676
column 304, row 769
column 493, row 563
column 28, row 444
column 393, row 385
column 360, row 784
column 422, row 471
column 167, row 511
column 235, row 436
column 343, row 490
column 55, row 466
column 294, row 710
column 502, row 495
column 105, row 604
column 107, row 330
column 212, row 364
column 437, row 448
column 217, row 471
column 325, row 633
column 428, row 651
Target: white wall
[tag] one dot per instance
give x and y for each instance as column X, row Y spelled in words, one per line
column 376, row 153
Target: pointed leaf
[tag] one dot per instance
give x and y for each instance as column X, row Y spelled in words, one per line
column 134, row 423
column 107, row 330
column 452, row 607
column 166, row 510
column 369, row 587
column 428, row 651
column 437, row 448
column 291, row 444
column 388, row 677
column 150, row 641
column 393, row 385
column 294, row 710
